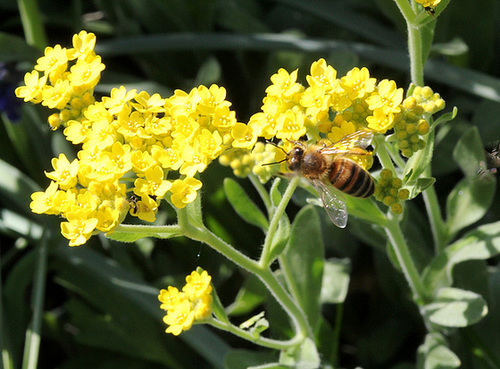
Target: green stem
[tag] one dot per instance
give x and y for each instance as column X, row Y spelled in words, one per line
column 32, row 23
column 402, row 252
column 204, row 235
column 273, row 225
column 261, row 341
column 32, row 342
column 264, row 195
column 382, row 153
column 438, row 226
column 414, row 43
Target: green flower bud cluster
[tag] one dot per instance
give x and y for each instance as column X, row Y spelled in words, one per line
column 242, row 162
column 408, row 131
column 388, row 191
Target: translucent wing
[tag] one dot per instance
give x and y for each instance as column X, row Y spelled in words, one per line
column 360, row 139
column 334, row 206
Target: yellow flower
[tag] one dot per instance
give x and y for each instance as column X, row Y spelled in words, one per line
column 322, row 75
column 79, row 227
column 291, row 125
column 357, row 83
column 57, row 96
column 153, row 184
column 33, row 89
column 193, row 304
column 86, row 73
column 284, row 85
column 83, row 45
column 65, row 173
column 197, row 284
column 184, row 191
column 428, row 3
column 43, row 202
column 54, row 58
column 180, row 318
column 387, row 97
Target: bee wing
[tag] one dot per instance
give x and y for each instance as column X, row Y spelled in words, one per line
column 361, row 139
column 334, row 206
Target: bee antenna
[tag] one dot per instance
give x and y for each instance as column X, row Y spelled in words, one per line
column 276, row 145
column 274, row 162
column 279, row 147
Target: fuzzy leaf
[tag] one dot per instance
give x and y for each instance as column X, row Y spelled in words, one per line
column 303, row 262
column 132, row 233
column 435, row 354
column 335, row 281
column 468, row 202
column 243, row 205
column 479, row 244
column 454, row 307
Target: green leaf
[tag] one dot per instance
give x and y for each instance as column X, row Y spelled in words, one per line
column 280, row 238
column 446, row 117
column 454, row 307
column 132, row 233
column 304, row 356
column 469, row 152
column 246, row 359
column 16, row 187
column 303, row 262
column 275, row 192
column 421, row 184
column 479, row 244
column 335, row 281
column 250, row 295
column 365, row 209
column 130, row 306
column 243, row 205
column 15, row 48
column 435, row 354
column 468, row 202
column 15, row 223
column 419, row 162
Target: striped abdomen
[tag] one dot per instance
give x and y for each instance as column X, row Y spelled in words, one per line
column 351, row 178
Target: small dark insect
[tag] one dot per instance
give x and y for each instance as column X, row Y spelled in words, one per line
column 430, row 10
column 492, row 162
column 133, row 200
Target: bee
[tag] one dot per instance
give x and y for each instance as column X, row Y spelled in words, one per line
column 331, row 171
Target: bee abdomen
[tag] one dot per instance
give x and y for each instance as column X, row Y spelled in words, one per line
column 351, row 178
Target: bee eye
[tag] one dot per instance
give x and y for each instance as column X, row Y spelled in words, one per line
column 298, row 151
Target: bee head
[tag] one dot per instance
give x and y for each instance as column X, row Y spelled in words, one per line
column 295, row 157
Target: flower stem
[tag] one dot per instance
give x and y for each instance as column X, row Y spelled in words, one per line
column 402, row 252
column 438, row 226
column 262, row 341
column 273, row 225
column 264, row 274
column 261, row 190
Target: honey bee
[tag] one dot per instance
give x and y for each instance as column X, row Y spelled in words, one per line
column 331, row 171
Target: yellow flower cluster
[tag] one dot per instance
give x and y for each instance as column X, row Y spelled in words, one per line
column 192, row 304
column 388, row 190
column 356, row 101
column 129, row 137
column 328, row 109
